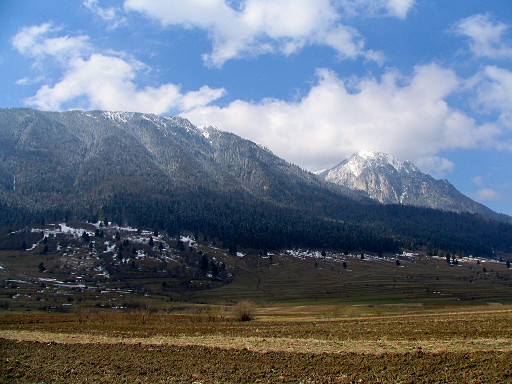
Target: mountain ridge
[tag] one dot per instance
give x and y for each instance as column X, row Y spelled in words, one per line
column 163, row 172
column 391, row 181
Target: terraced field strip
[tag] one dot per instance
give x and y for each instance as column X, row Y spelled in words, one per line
column 274, row 344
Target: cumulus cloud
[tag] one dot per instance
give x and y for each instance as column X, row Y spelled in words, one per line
column 263, row 26
column 112, row 15
column 404, row 116
column 107, row 82
column 399, row 8
column 436, row 166
column 100, row 81
column 494, row 93
column 487, row 194
column 486, row 36
column 36, row 41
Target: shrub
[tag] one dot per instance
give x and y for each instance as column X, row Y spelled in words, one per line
column 244, row 311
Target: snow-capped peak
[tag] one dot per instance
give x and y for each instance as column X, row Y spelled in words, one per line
column 373, row 158
column 391, row 181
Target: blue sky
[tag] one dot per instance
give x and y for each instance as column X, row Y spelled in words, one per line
column 313, row 80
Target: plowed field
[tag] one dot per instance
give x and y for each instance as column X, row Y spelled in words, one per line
column 462, row 345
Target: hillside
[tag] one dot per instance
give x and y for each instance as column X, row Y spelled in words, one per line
column 64, row 266
column 164, row 173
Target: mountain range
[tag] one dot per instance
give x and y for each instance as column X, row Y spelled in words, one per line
column 163, row 172
column 388, row 180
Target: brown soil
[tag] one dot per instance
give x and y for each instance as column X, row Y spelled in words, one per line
column 458, row 345
column 31, row 362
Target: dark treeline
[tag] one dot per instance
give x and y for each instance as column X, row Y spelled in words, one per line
column 370, row 227
column 262, row 226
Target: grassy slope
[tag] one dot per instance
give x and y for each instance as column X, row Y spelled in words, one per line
column 279, row 279
column 419, row 279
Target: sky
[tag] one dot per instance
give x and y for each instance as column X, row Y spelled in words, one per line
column 312, row 80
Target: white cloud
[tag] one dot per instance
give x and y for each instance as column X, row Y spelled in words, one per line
column 29, row 81
column 99, row 81
column 494, row 93
column 486, row 37
column 406, row 117
column 487, row 194
column 112, row 15
column 108, row 82
column 262, row 26
column 372, row 8
column 399, row 8
column 35, row 42
column 436, row 166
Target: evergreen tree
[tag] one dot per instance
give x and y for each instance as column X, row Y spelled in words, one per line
column 215, row 270
column 203, row 264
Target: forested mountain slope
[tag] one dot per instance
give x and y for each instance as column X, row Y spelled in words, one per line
column 152, row 171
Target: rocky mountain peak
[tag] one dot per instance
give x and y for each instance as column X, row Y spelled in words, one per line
column 361, row 164
column 391, row 181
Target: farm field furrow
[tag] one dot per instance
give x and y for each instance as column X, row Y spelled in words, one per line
column 301, row 344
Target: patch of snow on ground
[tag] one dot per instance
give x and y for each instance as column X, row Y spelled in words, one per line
column 72, row 285
column 125, row 229
column 49, row 280
column 301, row 254
column 33, row 246
column 187, row 239
column 63, row 228
column 110, row 248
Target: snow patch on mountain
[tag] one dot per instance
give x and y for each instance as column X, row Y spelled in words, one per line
column 365, row 159
column 391, row 181
column 118, row 117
